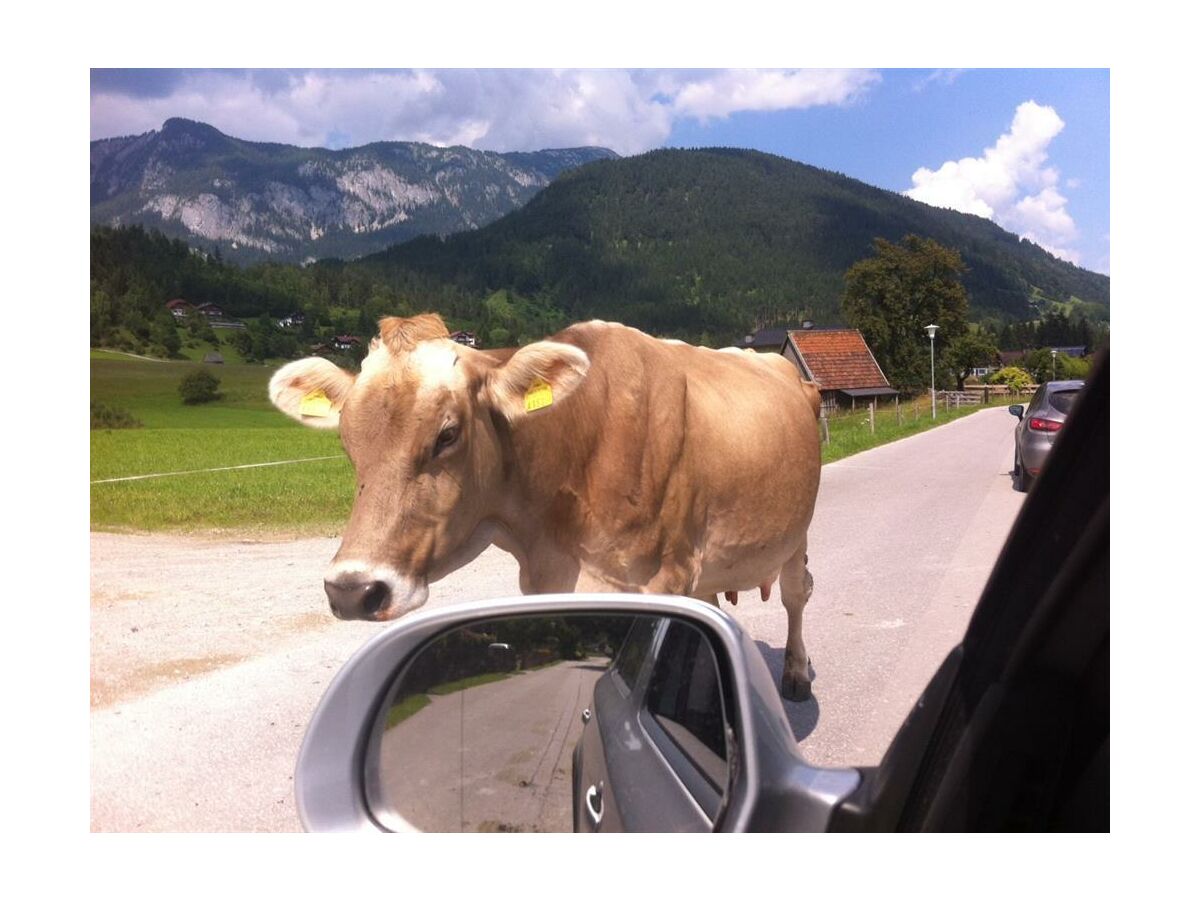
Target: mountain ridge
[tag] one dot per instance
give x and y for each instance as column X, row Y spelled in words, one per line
column 255, row 200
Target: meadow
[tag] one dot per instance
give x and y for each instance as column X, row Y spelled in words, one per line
column 242, row 428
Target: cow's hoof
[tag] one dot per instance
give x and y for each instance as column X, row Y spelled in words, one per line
column 795, row 689
column 798, row 689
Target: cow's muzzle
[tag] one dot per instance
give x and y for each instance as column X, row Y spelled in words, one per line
column 375, row 593
column 358, row 598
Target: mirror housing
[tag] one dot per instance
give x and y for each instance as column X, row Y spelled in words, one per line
column 771, row 788
column 1018, row 410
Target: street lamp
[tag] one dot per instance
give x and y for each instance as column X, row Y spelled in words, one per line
column 931, row 330
column 1054, row 365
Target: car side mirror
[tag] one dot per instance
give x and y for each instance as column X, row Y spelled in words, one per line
column 566, row 712
column 1018, row 410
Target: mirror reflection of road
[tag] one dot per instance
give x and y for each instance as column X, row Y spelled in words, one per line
column 494, row 757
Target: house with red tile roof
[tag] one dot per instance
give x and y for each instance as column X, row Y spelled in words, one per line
column 841, row 363
column 179, row 308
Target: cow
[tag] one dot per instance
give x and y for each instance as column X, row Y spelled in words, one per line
column 602, row 458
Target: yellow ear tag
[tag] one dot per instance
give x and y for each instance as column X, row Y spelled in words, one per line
column 315, row 403
column 538, row 396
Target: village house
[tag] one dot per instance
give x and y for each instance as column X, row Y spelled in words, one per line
column 466, row 338
column 1074, row 352
column 179, row 308
column 346, row 342
column 841, row 363
column 211, row 310
column 771, row 340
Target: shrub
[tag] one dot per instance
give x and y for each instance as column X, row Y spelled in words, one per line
column 199, row 386
column 1016, row 379
column 105, row 416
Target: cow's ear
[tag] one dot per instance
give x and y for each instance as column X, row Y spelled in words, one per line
column 536, row 377
column 311, row 391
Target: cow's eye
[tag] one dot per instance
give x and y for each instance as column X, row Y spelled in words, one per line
column 445, row 439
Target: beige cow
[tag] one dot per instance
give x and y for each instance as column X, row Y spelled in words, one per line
column 602, row 459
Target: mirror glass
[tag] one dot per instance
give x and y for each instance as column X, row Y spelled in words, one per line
column 554, row 723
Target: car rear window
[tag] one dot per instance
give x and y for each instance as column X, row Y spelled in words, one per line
column 1063, row 400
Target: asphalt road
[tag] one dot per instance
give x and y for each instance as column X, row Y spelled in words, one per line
column 208, row 656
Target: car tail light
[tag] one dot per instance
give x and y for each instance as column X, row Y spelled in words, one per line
column 1044, row 424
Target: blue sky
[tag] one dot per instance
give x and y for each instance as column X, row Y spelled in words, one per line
column 1027, row 148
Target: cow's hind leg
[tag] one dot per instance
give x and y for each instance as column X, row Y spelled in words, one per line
column 795, row 587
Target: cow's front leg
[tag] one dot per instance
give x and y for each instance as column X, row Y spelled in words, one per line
column 795, row 586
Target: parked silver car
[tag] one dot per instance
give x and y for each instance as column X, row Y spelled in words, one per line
column 1039, row 425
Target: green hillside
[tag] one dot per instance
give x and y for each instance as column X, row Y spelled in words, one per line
column 685, row 241
column 704, row 245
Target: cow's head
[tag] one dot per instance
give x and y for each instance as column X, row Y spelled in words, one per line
column 420, row 424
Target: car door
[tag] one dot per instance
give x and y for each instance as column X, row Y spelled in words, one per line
column 653, row 755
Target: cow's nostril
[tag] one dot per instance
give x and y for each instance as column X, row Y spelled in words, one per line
column 357, row 599
column 375, row 598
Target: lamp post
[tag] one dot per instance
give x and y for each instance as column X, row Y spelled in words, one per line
column 931, row 330
column 1054, row 365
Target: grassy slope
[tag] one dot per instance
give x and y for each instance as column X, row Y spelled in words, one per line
column 239, row 429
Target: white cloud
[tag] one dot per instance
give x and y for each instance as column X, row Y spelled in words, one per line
column 741, row 90
column 628, row 110
column 943, row 77
column 1011, row 183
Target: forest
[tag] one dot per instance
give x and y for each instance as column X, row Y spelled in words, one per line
column 706, row 246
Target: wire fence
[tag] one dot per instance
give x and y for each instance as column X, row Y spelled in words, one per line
column 847, row 430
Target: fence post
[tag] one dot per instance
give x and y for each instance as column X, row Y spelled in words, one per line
column 872, row 417
column 825, row 424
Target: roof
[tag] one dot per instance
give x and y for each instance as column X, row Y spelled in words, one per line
column 869, row 392
column 175, row 304
column 772, row 338
column 839, row 359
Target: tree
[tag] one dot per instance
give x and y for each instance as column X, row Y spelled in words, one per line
column 975, row 348
column 1043, row 367
column 199, row 386
column 892, row 296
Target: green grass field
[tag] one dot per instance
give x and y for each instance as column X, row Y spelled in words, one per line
column 242, row 428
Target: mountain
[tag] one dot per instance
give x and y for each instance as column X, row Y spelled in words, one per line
column 257, row 201
column 718, row 241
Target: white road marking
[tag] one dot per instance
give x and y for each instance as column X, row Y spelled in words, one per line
column 282, row 462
